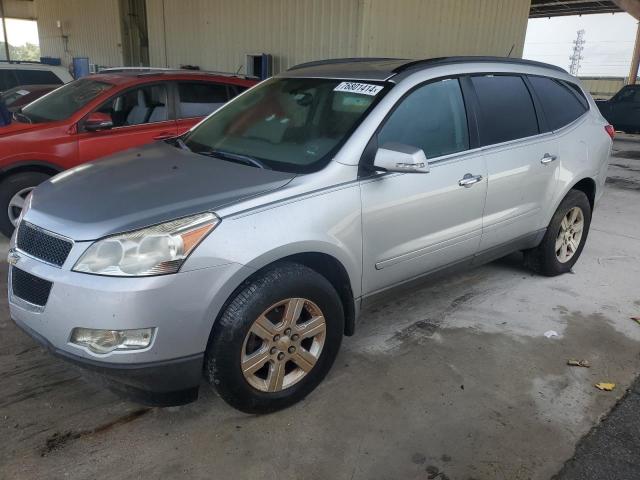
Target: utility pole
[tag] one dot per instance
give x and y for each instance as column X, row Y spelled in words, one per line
column 635, row 60
column 578, row 47
column 4, row 30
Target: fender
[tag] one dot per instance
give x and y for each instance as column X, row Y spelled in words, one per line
column 25, row 165
column 563, row 193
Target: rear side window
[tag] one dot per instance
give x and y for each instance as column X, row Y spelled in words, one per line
column 37, row 77
column 560, row 103
column 432, row 117
column 200, row 99
column 506, row 109
column 7, row 80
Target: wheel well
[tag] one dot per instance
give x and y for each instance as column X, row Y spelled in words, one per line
column 31, row 167
column 588, row 187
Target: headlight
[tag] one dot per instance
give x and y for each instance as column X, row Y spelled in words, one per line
column 156, row 250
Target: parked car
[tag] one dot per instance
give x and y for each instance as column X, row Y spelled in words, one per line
column 16, row 73
column 245, row 248
column 623, row 109
column 97, row 116
column 17, row 97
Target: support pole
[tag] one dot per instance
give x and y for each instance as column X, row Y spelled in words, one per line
column 4, row 30
column 635, row 61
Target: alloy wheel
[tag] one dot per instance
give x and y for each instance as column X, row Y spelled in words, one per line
column 569, row 235
column 16, row 204
column 283, row 345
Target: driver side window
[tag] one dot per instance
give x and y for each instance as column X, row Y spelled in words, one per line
column 432, row 117
column 138, row 106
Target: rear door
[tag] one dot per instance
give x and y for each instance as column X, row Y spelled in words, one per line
column 140, row 115
column 417, row 223
column 521, row 162
column 195, row 100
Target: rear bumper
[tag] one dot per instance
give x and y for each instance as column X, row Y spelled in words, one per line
column 163, row 383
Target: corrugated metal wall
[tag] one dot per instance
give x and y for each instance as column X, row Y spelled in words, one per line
column 216, row 34
column 92, row 28
column 432, row 28
column 20, row 9
column 603, row 87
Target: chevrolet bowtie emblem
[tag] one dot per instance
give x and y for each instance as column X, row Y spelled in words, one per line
column 13, row 257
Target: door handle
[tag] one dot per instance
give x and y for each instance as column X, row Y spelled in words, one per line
column 548, row 158
column 164, row 135
column 469, row 180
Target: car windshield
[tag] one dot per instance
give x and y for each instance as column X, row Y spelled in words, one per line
column 63, row 102
column 286, row 124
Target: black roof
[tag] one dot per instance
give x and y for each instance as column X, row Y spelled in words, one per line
column 385, row 68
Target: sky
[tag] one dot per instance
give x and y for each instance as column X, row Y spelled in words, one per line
column 21, row 31
column 607, row 51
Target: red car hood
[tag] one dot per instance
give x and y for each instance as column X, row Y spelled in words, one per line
column 16, row 127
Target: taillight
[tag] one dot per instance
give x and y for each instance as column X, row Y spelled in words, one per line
column 610, row 130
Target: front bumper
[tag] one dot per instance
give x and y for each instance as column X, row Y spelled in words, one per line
column 159, row 384
column 181, row 307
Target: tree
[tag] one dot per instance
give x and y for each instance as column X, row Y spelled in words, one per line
column 27, row 52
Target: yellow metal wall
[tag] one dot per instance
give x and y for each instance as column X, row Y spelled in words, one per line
column 603, row 87
column 216, row 34
column 432, row 28
column 91, row 26
column 19, row 9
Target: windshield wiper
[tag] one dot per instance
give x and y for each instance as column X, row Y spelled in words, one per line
column 235, row 157
column 21, row 117
column 178, row 142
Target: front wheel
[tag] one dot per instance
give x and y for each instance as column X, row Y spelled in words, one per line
column 13, row 192
column 276, row 340
column 564, row 240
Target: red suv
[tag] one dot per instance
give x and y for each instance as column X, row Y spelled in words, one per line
column 99, row 115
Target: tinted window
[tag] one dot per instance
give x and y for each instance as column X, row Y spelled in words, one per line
column 506, row 109
column 561, row 104
column 37, row 77
column 147, row 104
column 7, row 80
column 200, row 99
column 432, row 118
column 64, row 101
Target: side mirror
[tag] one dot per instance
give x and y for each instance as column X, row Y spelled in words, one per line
column 397, row 157
column 98, row 121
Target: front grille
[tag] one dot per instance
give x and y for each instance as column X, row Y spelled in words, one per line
column 40, row 244
column 29, row 287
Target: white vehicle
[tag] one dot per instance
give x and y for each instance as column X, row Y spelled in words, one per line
column 13, row 74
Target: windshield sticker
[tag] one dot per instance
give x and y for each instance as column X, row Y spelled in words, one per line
column 23, row 92
column 362, row 88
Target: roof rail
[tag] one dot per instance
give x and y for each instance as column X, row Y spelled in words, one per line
column 429, row 62
column 331, row 61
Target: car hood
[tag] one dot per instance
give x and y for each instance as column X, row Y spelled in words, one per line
column 142, row 187
column 19, row 127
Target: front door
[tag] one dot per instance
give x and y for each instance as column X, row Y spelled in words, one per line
column 623, row 110
column 416, row 223
column 139, row 115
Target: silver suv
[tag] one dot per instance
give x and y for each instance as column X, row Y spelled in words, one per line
column 245, row 248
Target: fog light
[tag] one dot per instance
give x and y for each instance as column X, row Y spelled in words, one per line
column 105, row 341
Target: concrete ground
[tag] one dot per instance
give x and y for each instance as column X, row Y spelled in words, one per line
column 452, row 379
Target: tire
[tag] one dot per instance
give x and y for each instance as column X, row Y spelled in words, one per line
column 9, row 187
column 544, row 259
column 232, row 335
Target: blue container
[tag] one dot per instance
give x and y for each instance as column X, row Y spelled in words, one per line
column 80, row 67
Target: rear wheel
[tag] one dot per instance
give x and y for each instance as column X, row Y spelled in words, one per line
column 565, row 237
column 13, row 192
column 276, row 340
